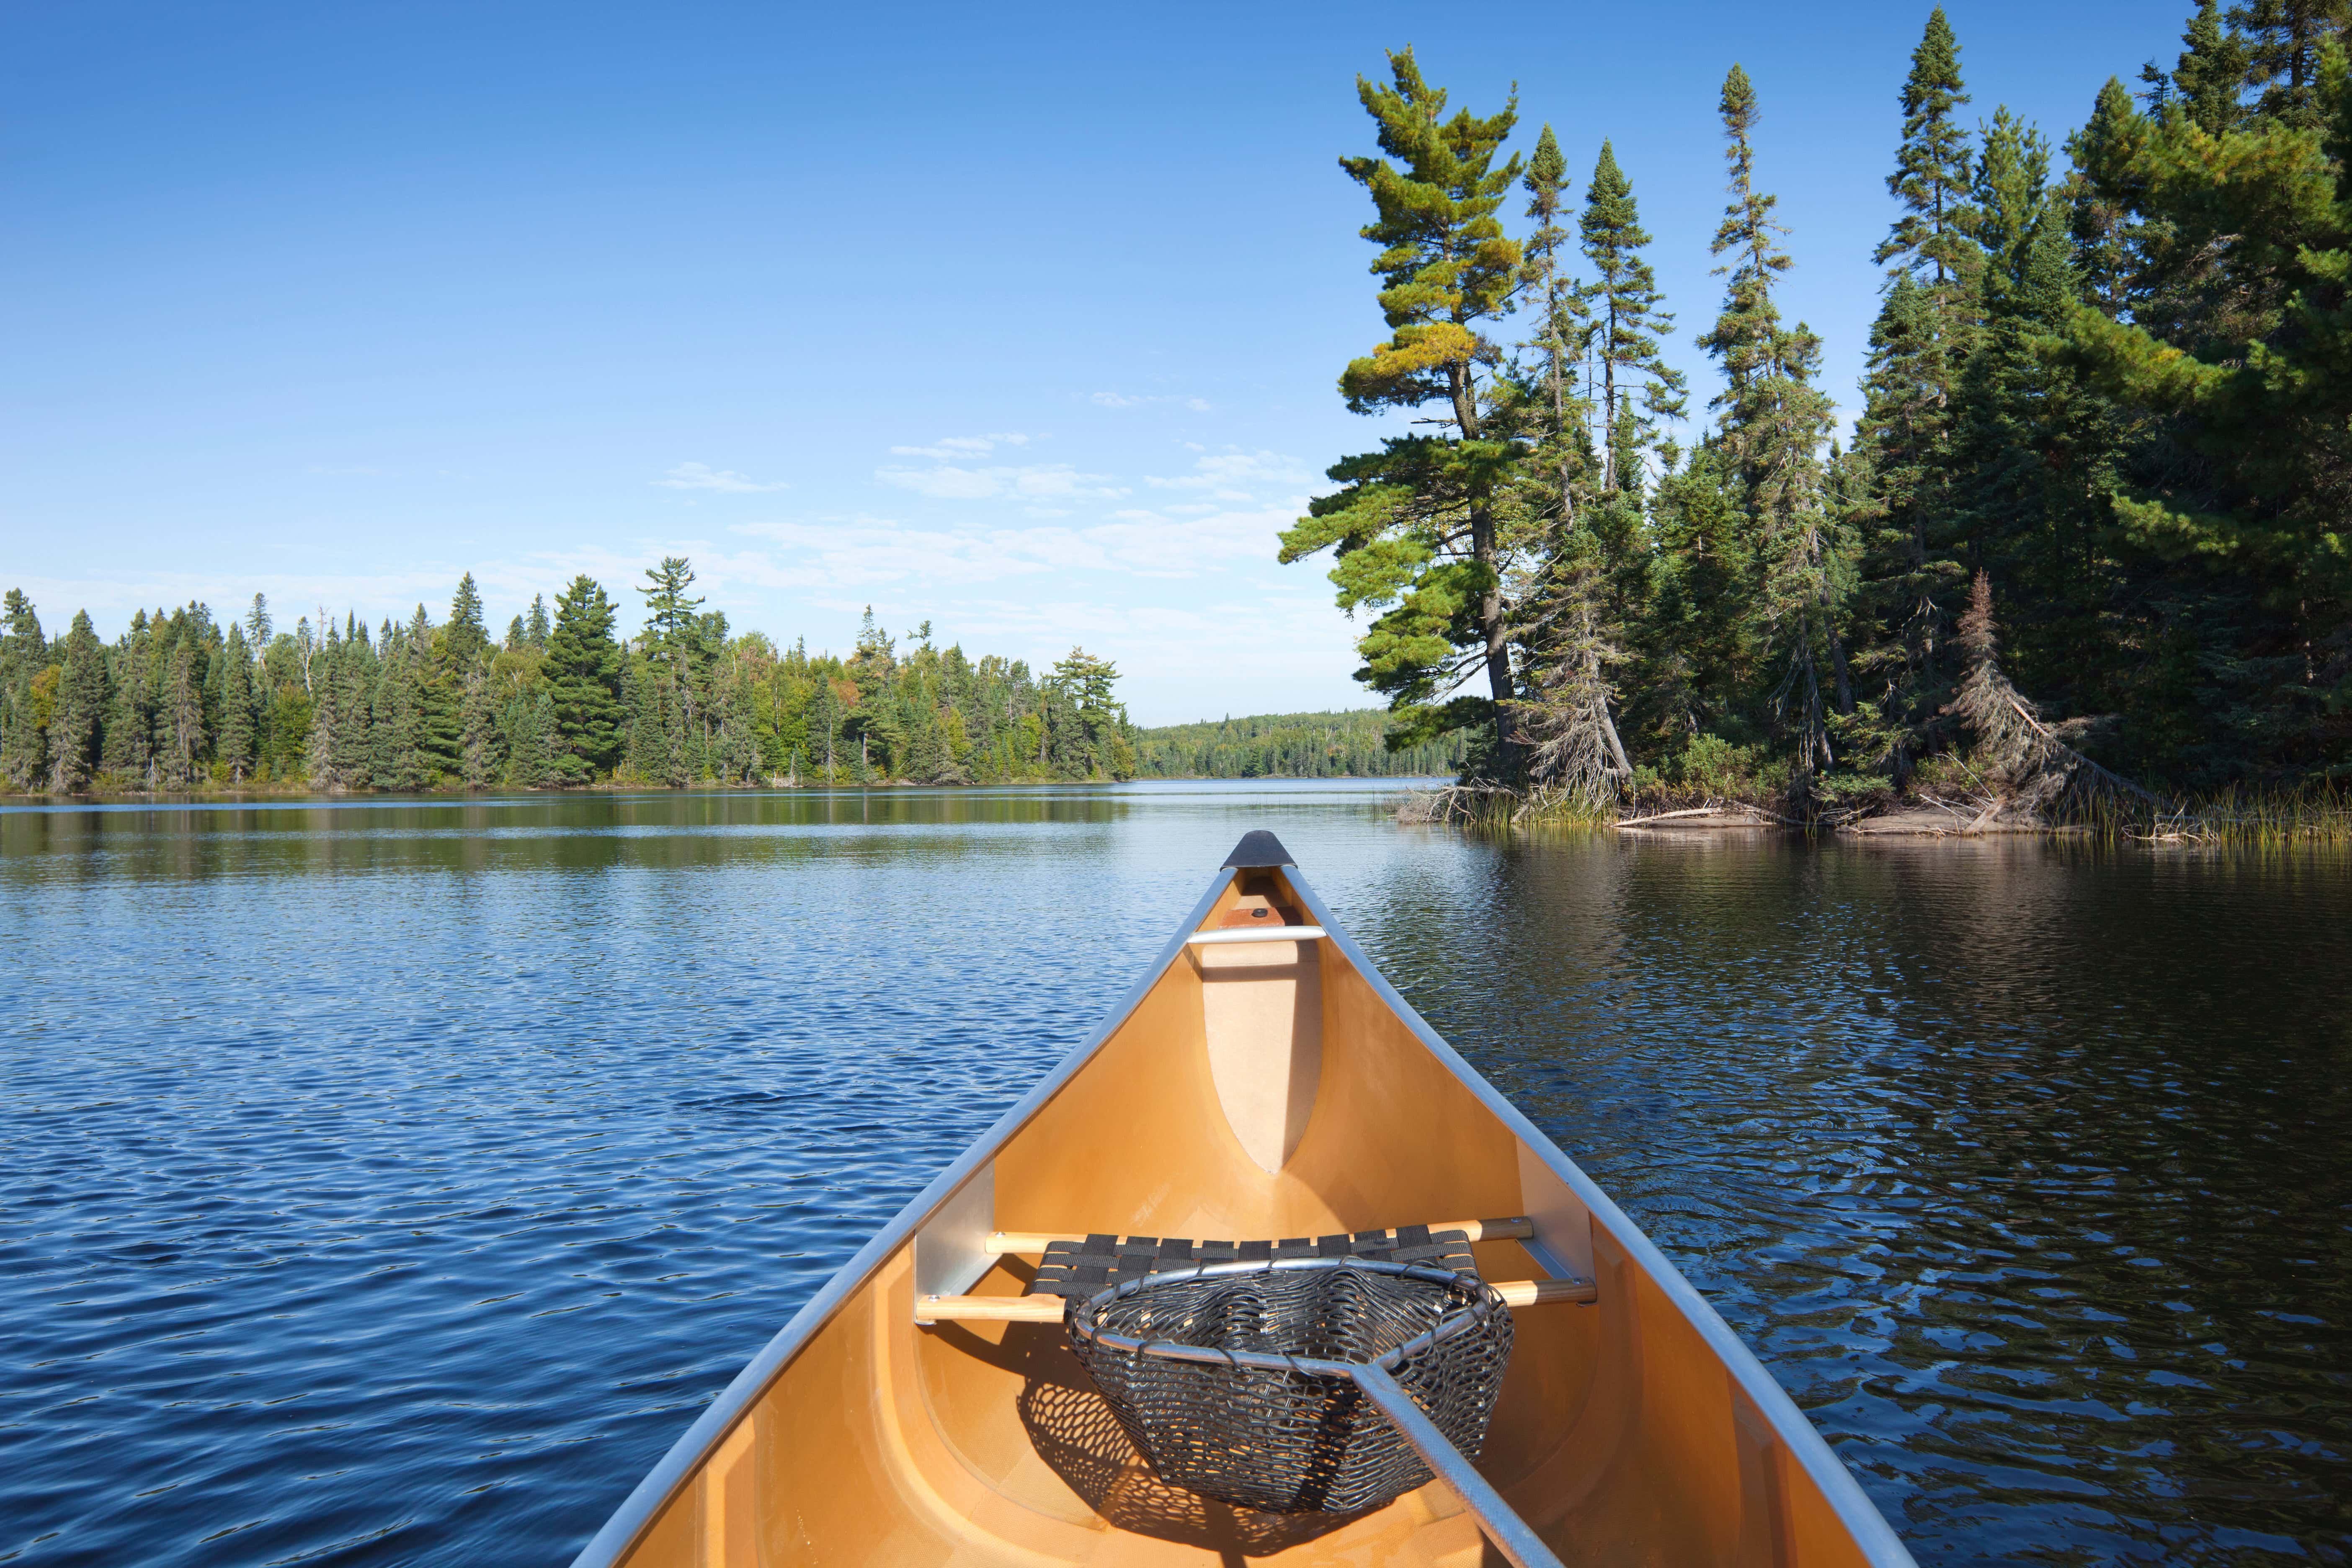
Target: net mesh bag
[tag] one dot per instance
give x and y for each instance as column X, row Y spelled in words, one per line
column 1194, row 1364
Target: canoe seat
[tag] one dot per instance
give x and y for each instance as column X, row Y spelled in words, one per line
column 1083, row 1268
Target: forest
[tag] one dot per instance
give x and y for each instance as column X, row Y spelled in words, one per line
column 181, row 701
column 1343, row 745
column 2085, row 548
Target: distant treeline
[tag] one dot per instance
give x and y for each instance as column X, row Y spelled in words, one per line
column 1292, row 746
column 183, row 701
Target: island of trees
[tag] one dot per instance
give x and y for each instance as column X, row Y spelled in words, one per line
column 183, row 701
column 2091, row 526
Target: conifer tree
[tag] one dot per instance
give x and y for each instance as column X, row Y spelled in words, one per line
column 23, row 725
column 1626, row 320
column 1931, row 239
column 1918, row 344
column 233, row 746
column 2239, row 323
column 257, row 623
column 536, row 630
column 2210, row 74
column 582, row 671
column 1416, row 525
column 481, row 760
column 1774, row 422
column 468, row 638
column 2282, row 43
column 1564, row 322
column 181, row 718
column 80, row 704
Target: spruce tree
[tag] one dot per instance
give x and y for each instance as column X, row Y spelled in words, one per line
column 2211, row 72
column 1773, row 423
column 1562, row 449
column 1931, row 239
column 24, row 721
column 1415, row 525
column 2283, row 41
column 582, row 671
column 536, row 631
column 257, row 623
column 80, row 704
column 482, row 759
column 1909, row 579
column 233, row 746
column 180, row 740
column 468, row 638
column 1626, row 320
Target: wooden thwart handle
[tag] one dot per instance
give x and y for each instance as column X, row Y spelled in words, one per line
column 1024, row 1243
column 1048, row 1309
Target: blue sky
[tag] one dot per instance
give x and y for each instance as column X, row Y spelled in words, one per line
column 1023, row 321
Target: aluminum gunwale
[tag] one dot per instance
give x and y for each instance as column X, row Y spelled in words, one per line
column 644, row 1504
column 1879, row 1543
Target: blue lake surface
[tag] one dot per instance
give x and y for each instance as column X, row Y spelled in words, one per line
column 391, row 1181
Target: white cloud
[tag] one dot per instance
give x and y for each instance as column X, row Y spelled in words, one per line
column 703, row 477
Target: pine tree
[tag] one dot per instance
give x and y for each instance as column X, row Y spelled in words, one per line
column 1774, row 422
column 582, row 671
column 2232, row 349
column 1626, row 320
column 73, row 731
column 1416, row 525
column 537, row 630
column 257, row 623
column 516, row 637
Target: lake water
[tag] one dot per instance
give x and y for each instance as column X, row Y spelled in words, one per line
column 391, row 1182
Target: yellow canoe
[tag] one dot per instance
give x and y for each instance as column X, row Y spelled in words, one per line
column 1261, row 1081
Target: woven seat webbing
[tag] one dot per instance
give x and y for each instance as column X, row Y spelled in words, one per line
column 1083, row 1268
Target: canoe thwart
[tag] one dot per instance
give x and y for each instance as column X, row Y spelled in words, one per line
column 988, row 1309
column 1226, row 934
column 1516, row 1293
column 1546, row 1293
column 1518, row 1227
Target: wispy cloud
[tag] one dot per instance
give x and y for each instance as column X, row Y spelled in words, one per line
column 949, row 446
column 703, row 477
column 1237, row 476
column 1124, row 400
column 1033, row 482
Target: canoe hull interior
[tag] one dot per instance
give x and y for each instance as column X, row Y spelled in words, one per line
column 1272, row 1089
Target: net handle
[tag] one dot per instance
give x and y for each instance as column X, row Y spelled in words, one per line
column 1503, row 1526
